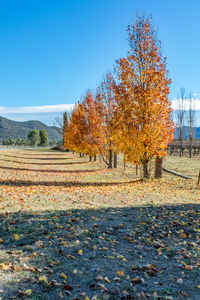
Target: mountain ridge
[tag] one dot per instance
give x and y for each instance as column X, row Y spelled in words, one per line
column 186, row 132
column 10, row 129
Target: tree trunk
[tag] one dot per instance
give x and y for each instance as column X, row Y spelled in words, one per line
column 124, row 163
column 90, row 158
column 95, row 157
column 190, row 151
column 110, row 159
column 136, row 169
column 158, row 167
column 198, row 178
column 180, row 153
column 115, row 160
column 145, row 170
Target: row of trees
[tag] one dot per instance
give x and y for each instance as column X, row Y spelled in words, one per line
column 13, row 142
column 128, row 114
column 186, row 115
column 38, row 138
column 35, row 138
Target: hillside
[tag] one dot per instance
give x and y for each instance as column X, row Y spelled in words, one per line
column 197, row 132
column 16, row 130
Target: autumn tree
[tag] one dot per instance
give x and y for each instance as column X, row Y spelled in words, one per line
column 106, row 107
column 74, row 132
column 83, row 133
column 144, row 111
column 95, row 135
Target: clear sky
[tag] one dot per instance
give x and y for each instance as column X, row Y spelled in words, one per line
column 52, row 51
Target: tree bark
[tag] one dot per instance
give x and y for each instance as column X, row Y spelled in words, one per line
column 158, row 167
column 180, row 151
column 110, row 159
column 136, row 169
column 115, row 160
column 90, row 158
column 95, row 158
column 198, row 178
column 145, row 170
column 190, row 151
column 124, row 163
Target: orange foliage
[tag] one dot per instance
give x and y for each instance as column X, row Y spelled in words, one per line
column 133, row 117
column 83, row 132
column 106, row 106
column 144, row 110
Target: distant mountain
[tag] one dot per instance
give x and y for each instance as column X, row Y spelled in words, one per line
column 16, row 130
column 197, row 132
column 19, row 130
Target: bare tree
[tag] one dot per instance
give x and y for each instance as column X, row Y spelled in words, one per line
column 58, row 123
column 191, row 117
column 61, row 122
column 181, row 100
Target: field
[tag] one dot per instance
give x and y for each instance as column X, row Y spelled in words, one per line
column 72, row 229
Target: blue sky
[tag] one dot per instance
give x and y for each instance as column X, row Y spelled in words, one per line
column 52, row 51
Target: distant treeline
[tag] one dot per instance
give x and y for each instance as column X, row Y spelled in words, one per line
column 35, row 138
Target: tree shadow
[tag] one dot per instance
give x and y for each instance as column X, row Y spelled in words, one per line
column 55, row 153
column 16, row 182
column 42, row 164
column 50, row 171
column 146, row 248
column 38, row 158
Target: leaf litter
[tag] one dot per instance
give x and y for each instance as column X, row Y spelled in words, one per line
column 100, row 241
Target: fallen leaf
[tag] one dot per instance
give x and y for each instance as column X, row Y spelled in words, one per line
column 120, row 273
column 43, row 279
column 63, row 275
column 28, row 292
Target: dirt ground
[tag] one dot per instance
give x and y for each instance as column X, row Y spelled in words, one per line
column 72, row 229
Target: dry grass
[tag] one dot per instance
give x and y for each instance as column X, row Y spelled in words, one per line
column 54, row 204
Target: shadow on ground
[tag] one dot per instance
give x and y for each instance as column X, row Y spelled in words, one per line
column 50, row 171
column 64, row 183
column 39, row 158
column 118, row 253
column 54, row 153
column 46, row 164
